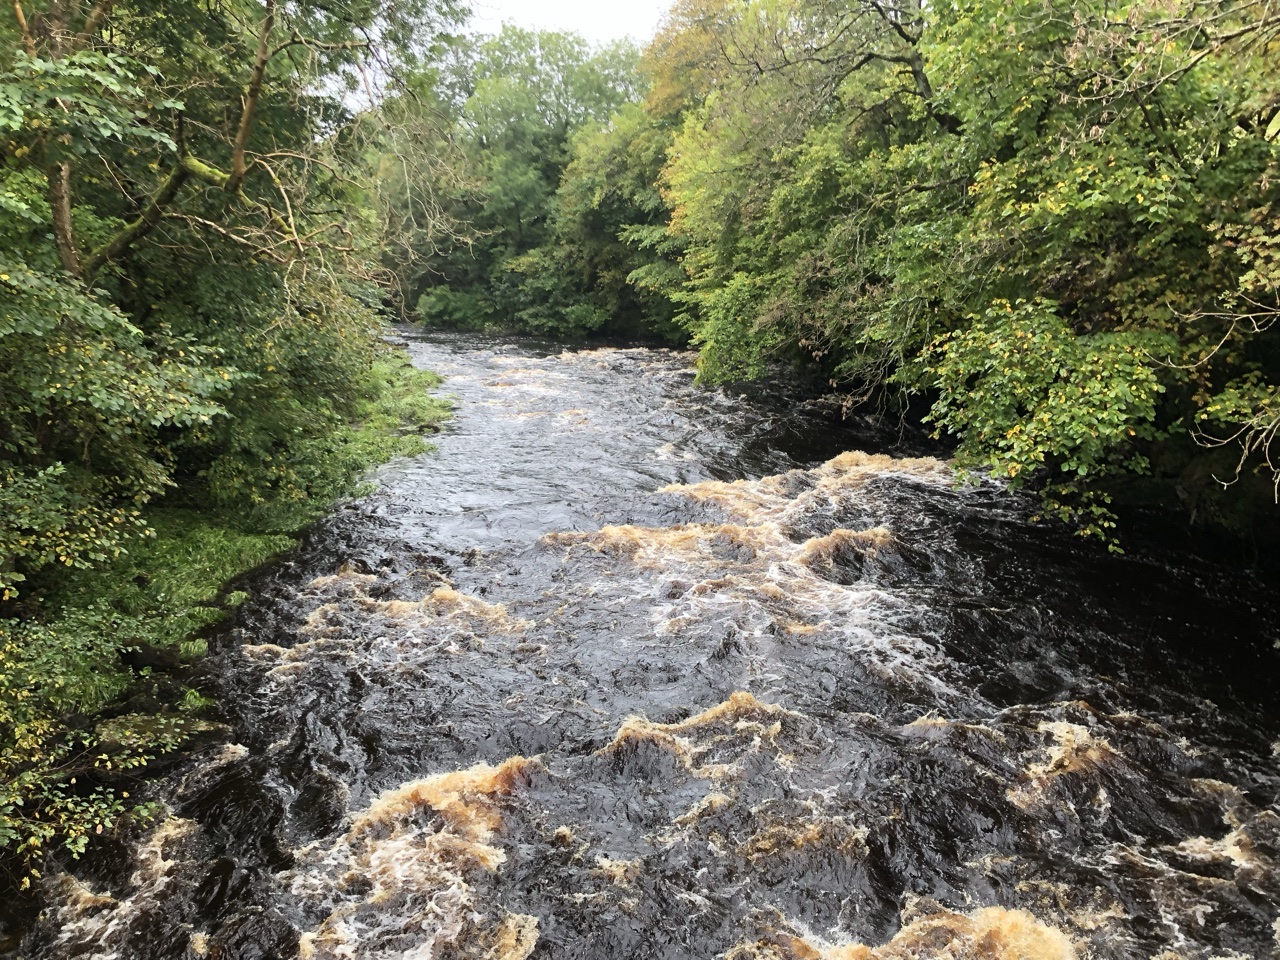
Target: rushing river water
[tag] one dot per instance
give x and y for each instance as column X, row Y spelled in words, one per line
column 630, row 669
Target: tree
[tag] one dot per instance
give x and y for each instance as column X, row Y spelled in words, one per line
column 519, row 98
column 886, row 191
column 168, row 150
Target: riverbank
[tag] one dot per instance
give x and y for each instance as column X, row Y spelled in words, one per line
column 100, row 678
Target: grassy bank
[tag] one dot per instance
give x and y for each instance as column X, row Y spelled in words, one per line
column 93, row 676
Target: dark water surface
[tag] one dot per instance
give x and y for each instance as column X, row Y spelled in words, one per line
column 629, row 669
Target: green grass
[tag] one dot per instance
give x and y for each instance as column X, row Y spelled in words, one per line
column 167, row 586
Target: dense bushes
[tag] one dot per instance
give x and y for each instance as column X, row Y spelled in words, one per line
column 93, row 685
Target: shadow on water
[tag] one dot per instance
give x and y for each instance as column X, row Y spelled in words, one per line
column 633, row 669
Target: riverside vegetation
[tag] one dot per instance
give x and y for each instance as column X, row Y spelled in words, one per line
column 1052, row 229
column 190, row 358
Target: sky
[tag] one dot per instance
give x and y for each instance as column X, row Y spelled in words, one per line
column 597, row 20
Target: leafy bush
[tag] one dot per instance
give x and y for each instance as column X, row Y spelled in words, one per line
column 1024, row 393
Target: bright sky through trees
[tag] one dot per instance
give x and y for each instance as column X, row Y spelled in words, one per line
column 597, row 20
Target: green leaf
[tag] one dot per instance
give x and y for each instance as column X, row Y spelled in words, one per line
column 1273, row 128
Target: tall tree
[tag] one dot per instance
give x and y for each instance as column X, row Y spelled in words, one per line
column 520, row 97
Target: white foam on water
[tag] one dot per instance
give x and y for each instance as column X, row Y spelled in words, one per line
column 401, row 882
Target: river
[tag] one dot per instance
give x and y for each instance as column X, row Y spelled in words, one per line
column 632, row 669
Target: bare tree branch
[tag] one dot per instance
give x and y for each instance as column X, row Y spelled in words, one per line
column 139, row 228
